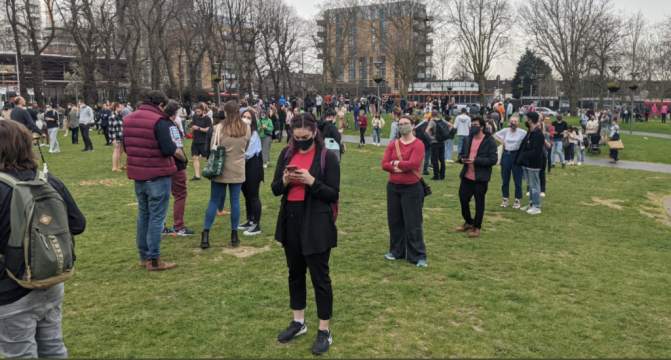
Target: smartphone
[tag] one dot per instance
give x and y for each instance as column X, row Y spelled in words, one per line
column 292, row 168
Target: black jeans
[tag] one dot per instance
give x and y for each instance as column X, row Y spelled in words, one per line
column 75, row 135
column 548, row 156
column 404, row 215
column 438, row 160
column 298, row 263
column 85, row 135
column 362, row 140
column 569, row 152
column 319, row 110
column 250, row 190
column 106, row 133
column 467, row 190
column 542, row 175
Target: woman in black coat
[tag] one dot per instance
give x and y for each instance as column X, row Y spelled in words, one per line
column 531, row 157
column 308, row 179
column 253, row 177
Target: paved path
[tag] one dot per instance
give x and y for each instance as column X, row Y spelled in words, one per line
column 632, row 165
column 662, row 136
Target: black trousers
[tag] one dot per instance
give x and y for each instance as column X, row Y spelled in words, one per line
column 75, row 135
column 467, row 190
column 362, row 140
column 85, row 135
column 548, row 155
column 404, row 215
column 280, row 127
column 542, row 176
column 663, row 118
column 106, row 133
column 319, row 110
column 438, row 160
column 252, row 200
column 299, row 263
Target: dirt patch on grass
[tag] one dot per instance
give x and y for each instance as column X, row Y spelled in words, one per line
column 454, row 322
column 132, row 204
column 478, row 324
column 106, row 182
column 611, row 203
column 245, row 251
column 660, row 217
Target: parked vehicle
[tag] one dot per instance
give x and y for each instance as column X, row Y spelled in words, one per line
column 474, row 108
column 545, row 111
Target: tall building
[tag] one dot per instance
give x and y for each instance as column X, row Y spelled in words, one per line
column 389, row 41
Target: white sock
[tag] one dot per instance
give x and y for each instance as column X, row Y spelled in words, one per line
column 302, row 321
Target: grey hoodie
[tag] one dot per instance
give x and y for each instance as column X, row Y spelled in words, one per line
column 463, row 124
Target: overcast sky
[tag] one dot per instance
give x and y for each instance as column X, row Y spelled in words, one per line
column 653, row 10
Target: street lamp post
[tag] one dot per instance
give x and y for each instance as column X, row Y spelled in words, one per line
column 378, row 79
column 634, row 75
column 217, row 80
column 615, row 69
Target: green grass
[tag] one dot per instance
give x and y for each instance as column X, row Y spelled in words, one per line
column 576, row 281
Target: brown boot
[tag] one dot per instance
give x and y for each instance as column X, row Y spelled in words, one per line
column 475, row 233
column 143, row 263
column 159, row 265
column 464, row 228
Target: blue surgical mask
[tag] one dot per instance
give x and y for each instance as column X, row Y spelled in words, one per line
column 263, row 117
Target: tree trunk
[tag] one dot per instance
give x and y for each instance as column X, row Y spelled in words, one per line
column 89, row 89
column 37, row 79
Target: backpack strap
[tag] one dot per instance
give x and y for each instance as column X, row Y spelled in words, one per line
column 40, row 176
column 8, row 179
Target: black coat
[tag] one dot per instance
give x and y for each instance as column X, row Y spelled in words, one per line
column 319, row 232
column 254, row 169
column 486, row 158
column 532, row 150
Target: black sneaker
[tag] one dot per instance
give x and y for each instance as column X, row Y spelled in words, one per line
column 166, row 232
column 434, row 179
column 195, row 179
column 553, row 165
column 294, row 329
column 245, row 225
column 563, row 165
column 324, row 340
column 255, row 229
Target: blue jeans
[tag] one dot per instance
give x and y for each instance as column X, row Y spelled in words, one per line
column 449, row 149
column 427, row 159
column 460, row 143
column 533, row 181
column 218, row 197
column 582, row 155
column 376, row 135
column 557, row 148
column 508, row 166
column 153, row 198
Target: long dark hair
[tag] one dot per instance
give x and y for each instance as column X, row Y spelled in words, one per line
column 253, row 126
column 306, row 121
column 16, row 147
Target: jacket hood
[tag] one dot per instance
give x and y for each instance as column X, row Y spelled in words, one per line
column 282, row 97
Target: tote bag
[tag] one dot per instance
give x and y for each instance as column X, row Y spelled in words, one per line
column 217, row 159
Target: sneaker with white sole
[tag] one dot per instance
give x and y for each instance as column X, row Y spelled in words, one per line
column 534, row 211
column 389, row 257
column 324, row 340
column 517, row 204
column 245, row 225
column 542, row 194
column 504, row 204
column 294, row 329
column 528, row 193
column 255, row 229
column 526, row 208
column 421, row 263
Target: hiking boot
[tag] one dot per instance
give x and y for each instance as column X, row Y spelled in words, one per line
column 159, row 265
column 464, row 227
column 294, row 329
column 474, row 233
column 235, row 240
column 205, row 240
column 324, row 340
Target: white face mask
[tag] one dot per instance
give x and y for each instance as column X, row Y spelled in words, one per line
column 247, row 121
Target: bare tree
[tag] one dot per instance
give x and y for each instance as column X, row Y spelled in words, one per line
column 563, row 31
column 605, row 51
column 481, row 29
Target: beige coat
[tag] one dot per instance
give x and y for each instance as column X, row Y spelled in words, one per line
column 234, row 168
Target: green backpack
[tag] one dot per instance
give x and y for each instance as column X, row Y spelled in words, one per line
column 40, row 240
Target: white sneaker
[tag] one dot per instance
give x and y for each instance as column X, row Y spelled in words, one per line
column 450, row 160
column 579, row 163
column 542, row 194
column 533, row 211
column 526, row 208
column 527, row 193
column 265, row 166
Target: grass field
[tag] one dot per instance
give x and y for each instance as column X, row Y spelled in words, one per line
column 637, row 148
column 587, row 278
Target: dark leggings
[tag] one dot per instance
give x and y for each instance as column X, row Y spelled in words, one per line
column 250, row 190
column 362, row 140
column 542, row 173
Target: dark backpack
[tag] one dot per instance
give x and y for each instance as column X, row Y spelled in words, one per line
column 420, row 133
column 442, row 131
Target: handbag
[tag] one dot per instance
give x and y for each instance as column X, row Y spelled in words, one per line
column 425, row 186
column 217, row 159
column 616, row 145
column 499, row 149
column 267, row 133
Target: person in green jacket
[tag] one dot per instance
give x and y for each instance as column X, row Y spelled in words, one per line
column 265, row 133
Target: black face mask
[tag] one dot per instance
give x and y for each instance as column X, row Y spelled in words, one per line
column 304, row 144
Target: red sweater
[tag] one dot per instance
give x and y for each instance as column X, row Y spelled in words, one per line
column 413, row 155
column 363, row 120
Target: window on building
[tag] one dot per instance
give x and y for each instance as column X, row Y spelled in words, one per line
column 363, row 73
column 372, row 48
column 374, row 25
column 352, row 29
column 384, row 25
column 339, row 40
column 396, row 74
column 352, row 40
column 383, row 48
column 380, row 72
column 340, row 29
column 338, row 18
column 373, row 39
column 381, row 60
column 341, row 76
column 340, row 51
column 352, row 74
column 352, row 62
column 363, row 62
column 351, row 50
column 380, row 14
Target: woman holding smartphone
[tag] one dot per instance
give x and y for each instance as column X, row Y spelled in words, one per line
column 307, row 177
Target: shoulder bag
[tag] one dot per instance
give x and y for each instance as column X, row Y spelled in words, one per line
column 217, row 159
column 425, row 186
column 500, row 148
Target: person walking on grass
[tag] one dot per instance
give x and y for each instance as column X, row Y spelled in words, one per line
column 116, row 135
column 200, row 125
column 31, row 318
column 86, row 120
column 530, row 158
column 478, row 155
column 234, row 135
column 362, row 121
column 51, row 120
column 253, row 177
column 266, row 134
column 378, row 124
column 405, row 196
column 511, row 139
column 561, row 128
column 308, row 179
column 151, row 153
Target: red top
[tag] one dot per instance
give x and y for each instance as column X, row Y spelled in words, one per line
column 303, row 161
column 363, row 120
column 475, row 145
column 413, row 154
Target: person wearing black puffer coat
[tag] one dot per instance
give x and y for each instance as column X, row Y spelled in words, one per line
column 530, row 158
